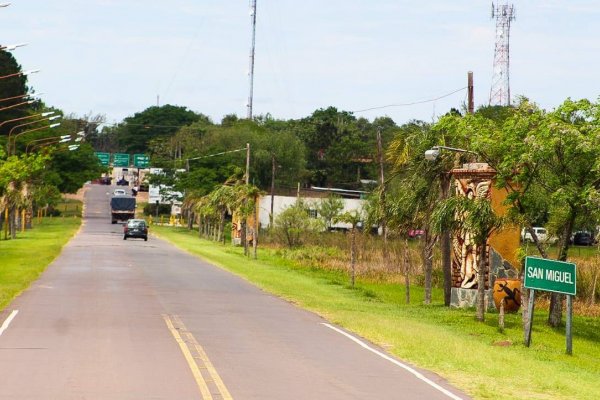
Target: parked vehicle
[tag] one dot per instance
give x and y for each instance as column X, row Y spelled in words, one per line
column 135, row 228
column 122, row 208
column 415, row 233
column 583, row 238
column 119, row 192
column 541, row 233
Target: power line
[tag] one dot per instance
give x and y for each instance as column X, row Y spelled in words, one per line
column 217, row 154
column 412, row 103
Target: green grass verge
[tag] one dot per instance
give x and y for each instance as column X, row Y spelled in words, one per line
column 475, row 357
column 23, row 259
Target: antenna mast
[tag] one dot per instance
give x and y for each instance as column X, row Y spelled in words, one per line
column 251, row 72
column 500, row 91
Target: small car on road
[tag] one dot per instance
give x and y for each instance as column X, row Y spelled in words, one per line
column 119, row 192
column 135, row 228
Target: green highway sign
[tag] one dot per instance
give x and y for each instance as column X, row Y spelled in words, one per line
column 120, row 160
column 550, row 275
column 103, row 157
column 141, row 161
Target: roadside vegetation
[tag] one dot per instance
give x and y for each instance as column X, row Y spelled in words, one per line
column 20, row 266
column 477, row 357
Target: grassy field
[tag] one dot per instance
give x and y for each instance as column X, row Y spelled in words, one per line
column 476, row 357
column 20, row 265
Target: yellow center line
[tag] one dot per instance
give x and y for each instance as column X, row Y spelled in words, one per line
column 204, row 391
column 207, row 363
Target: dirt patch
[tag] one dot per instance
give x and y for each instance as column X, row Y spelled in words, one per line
column 76, row 196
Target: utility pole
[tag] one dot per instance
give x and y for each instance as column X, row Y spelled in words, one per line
column 272, row 189
column 471, row 106
column 247, row 177
column 252, row 48
column 382, row 198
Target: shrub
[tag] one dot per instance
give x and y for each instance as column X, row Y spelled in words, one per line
column 293, row 224
column 163, row 209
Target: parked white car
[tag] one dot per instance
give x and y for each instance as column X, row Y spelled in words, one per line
column 541, row 233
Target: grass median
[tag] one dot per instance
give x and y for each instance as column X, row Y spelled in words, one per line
column 23, row 259
column 475, row 357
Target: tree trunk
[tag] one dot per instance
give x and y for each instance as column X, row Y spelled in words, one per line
column 524, row 308
column 481, row 283
column 255, row 234
column 406, row 264
column 427, row 258
column 190, row 223
column 445, row 248
column 353, row 256
column 222, row 227
column 556, row 299
column 13, row 223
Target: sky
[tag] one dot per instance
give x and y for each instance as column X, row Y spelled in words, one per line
column 118, row 57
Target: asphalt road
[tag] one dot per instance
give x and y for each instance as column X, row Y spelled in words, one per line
column 115, row 319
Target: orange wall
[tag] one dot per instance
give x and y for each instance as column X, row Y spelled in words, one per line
column 506, row 242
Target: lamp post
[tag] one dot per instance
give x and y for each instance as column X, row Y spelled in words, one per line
column 21, row 73
column 47, row 141
column 42, row 127
column 433, row 153
column 11, row 47
column 17, row 105
column 445, row 239
column 44, row 114
column 19, row 96
column 21, row 133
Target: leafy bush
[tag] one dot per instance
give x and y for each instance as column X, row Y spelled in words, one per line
column 163, row 209
column 294, row 223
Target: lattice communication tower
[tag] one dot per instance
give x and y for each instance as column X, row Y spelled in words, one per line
column 500, row 91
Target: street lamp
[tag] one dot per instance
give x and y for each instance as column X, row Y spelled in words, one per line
column 18, row 104
column 24, row 73
column 44, row 114
column 20, row 96
column 21, row 133
column 47, row 141
column 4, row 5
column 38, row 129
column 433, row 153
column 11, row 47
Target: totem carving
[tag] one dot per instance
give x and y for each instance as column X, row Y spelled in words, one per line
column 472, row 181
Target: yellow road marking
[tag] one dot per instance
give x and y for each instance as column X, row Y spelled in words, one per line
column 207, row 363
column 190, row 360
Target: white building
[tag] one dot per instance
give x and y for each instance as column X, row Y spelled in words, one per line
column 280, row 203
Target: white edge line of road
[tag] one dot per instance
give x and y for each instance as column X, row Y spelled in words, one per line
column 8, row 320
column 396, row 362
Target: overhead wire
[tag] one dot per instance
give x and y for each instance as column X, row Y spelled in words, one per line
column 411, row 103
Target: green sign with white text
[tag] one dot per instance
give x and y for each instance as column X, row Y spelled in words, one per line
column 120, row 160
column 550, row 275
column 141, row 161
column 103, row 157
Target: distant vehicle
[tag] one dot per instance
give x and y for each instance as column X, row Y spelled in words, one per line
column 119, row 192
column 122, row 208
column 105, row 180
column 416, row 233
column 541, row 233
column 583, row 238
column 135, row 228
column 123, row 182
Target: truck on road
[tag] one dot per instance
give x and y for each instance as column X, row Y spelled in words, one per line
column 122, row 208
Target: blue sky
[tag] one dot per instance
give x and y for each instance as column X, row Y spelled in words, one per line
column 114, row 57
